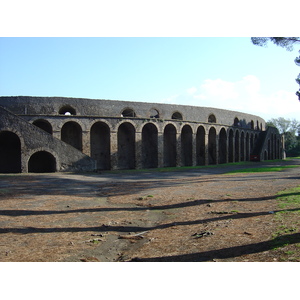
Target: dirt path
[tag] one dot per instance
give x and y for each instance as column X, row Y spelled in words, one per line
column 197, row 215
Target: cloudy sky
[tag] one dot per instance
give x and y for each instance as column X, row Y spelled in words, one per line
column 223, row 72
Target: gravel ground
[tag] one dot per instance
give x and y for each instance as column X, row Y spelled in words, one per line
column 192, row 215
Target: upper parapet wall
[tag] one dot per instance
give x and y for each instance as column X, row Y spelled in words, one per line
column 53, row 106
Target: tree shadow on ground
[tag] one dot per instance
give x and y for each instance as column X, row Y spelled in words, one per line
column 108, row 228
column 225, row 253
column 24, row 212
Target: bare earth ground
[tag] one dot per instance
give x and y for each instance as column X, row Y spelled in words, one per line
column 196, row 215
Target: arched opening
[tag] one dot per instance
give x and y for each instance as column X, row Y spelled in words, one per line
column 170, row 153
column 128, row 113
column 200, row 146
column 100, row 145
column 269, row 149
column 212, row 146
column 231, row 147
column 237, row 146
column 67, row 110
column 212, row 118
column 177, row 116
column 187, row 146
column 43, row 124
column 42, row 162
column 222, row 146
column 10, row 153
column 126, row 146
column 150, row 146
column 71, row 133
column 236, row 122
column 154, row 113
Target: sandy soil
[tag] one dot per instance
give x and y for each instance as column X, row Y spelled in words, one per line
column 197, row 215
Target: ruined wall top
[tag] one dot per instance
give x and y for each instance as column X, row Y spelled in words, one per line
column 53, row 106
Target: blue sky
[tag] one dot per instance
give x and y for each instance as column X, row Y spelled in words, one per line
column 229, row 73
column 182, row 52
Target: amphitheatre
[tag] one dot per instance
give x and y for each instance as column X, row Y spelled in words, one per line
column 56, row 134
column 66, row 193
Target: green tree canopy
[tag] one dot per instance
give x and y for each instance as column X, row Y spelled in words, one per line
column 291, row 130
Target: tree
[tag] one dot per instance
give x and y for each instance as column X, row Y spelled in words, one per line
column 290, row 129
column 285, row 42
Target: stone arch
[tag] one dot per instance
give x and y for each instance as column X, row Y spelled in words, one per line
column 170, row 146
column 128, row 113
column 200, row 146
column 236, row 122
column 186, row 146
column 100, row 145
column 154, row 113
column 42, row 162
column 43, row 124
column 212, row 118
column 212, row 146
column 237, row 146
column 10, row 152
column 150, row 146
column 67, row 110
column 222, row 146
column 126, row 146
column 71, row 133
column 177, row 116
column 231, row 146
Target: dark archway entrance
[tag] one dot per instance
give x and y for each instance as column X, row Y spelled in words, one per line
column 212, row 146
column 222, row 146
column 100, row 145
column 170, row 152
column 150, row 146
column 42, row 162
column 200, row 146
column 71, row 133
column 10, row 153
column 43, row 124
column 187, row 146
column 126, row 146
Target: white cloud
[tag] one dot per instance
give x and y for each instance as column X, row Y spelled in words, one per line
column 244, row 95
column 191, row 90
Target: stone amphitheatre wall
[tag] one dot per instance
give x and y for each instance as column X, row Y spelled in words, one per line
column 126, row 135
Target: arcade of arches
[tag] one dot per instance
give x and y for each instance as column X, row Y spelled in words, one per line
column 167, row 146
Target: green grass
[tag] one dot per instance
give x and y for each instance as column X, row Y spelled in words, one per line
column 284, row 239
column 289, row 198
column 175, row 169
column 262, row 169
